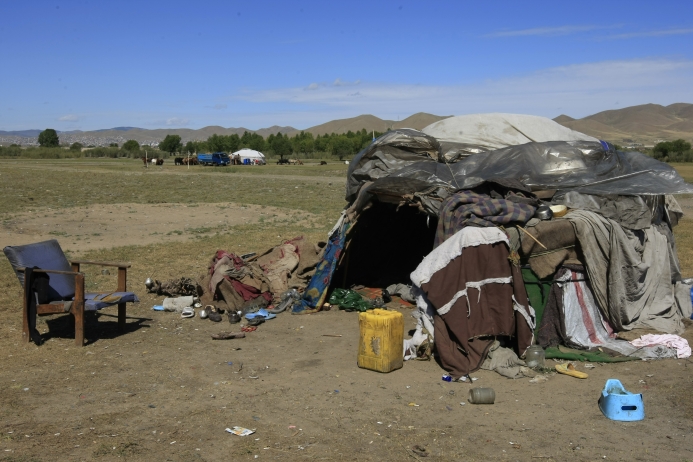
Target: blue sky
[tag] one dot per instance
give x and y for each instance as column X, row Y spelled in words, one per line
column 188, row 64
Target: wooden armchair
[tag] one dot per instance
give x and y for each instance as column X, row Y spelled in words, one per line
column 64, row 289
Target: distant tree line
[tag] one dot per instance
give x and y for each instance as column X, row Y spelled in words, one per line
column 302, row 144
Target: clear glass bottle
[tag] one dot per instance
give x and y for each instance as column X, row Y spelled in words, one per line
column 535, row 356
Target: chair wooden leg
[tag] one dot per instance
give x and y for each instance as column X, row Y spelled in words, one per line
column 78, row 309
column 25, row 315
column 121, row 316
column 122, row 287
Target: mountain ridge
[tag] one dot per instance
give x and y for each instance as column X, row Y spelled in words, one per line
column 643, row 124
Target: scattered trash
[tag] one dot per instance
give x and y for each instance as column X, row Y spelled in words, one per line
column 227, row 335
column 616, row 403
column 240, row 431
column 178, row 304
column 419, row 450
column 482, row 396
column 331, row 335
column 448, row 408
column 539, row 379
column 447, row 378
column 589, row 366
column 287, row 299
column 158, row 308
column 462, row 403
column 249, row 328
column 414, row 404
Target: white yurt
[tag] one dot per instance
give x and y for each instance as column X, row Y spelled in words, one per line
column 253, row 157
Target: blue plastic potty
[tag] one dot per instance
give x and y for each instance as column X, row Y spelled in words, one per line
column 616, row 403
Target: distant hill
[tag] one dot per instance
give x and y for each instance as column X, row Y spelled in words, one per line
column 371, row 122
column 25, row 133
column 120, row 129
column 143, row 136
column 644, row 124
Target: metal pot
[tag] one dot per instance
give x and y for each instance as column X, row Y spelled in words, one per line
column 543, row 212
column 149, row 283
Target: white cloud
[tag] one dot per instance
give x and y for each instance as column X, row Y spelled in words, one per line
column 177, row 121
column 220, row 106
column 68, row 118
column 312, row 86
column 652, row 33
column 341, row 83
column 544, row 31
column 577, row 90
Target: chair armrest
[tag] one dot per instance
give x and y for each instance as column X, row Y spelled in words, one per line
column 102, row 263
column 22, row 269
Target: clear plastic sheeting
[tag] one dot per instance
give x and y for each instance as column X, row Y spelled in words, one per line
column 583, row 166
column 391, row 151
column 452, row 151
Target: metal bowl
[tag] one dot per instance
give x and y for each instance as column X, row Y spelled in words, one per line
column 543, row 212
column 149, row 283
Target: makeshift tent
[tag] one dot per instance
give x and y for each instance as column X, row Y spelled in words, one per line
column 251, row 155
column 408, row 197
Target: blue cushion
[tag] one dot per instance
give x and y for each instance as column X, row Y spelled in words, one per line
column 44, row 255
column 93, row 301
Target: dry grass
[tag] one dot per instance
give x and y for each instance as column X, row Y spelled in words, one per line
column 25, row 186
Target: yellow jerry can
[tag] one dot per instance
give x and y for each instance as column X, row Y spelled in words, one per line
column 382, row 337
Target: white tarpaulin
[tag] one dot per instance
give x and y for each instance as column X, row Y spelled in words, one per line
column 498, row 130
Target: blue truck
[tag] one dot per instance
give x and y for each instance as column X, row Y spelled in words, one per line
column 216, row 159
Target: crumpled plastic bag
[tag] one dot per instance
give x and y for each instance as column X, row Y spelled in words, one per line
column 348, row 300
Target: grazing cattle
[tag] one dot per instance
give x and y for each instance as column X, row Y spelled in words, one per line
column 178, row 161
column 322, row 162
column 282, row 161
column 159, row 161
column 190, row 161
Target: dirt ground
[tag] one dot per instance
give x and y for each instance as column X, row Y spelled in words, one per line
column 114, row 225
column 163, row 390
